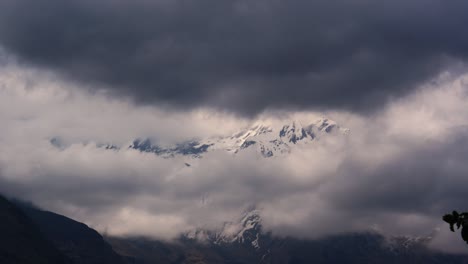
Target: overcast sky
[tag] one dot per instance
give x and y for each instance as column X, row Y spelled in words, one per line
column 88, row 72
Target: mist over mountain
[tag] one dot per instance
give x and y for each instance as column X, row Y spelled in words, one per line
column 268, row 140
column 286, row 131
column 32, row 235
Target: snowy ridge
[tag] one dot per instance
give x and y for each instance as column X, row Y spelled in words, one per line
column 266, row 139
column 247, row 229
column 406, row 243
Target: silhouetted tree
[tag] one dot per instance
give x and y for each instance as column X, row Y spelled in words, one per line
column 459, row 220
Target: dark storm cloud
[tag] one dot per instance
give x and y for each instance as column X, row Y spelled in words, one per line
column 243, row 56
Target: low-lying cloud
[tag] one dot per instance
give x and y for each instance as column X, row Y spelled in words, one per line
column 398, row 170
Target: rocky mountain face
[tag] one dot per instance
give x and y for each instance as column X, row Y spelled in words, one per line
column 245, row 230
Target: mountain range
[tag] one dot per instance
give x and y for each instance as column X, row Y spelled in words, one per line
column 268, row 140
column 30, row 235
column 46, row 237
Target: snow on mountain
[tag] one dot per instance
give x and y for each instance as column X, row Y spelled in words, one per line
column 246, row 229
column 191, row 148
column 268, row 140
column 407, row 243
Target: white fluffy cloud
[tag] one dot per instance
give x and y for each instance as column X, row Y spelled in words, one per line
column 399, row 169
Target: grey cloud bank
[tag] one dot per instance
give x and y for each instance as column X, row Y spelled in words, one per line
column 400, row 169
column 241, row 56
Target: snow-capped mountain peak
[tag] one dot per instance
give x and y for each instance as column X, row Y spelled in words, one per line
column 294, row 132
column 246, row 229
column 268, row 140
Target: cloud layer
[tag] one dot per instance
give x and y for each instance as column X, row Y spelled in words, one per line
column 241, row 56
column 399, row 169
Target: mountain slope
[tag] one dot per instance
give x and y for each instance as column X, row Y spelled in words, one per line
column 21, row 241
column 77, row 241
